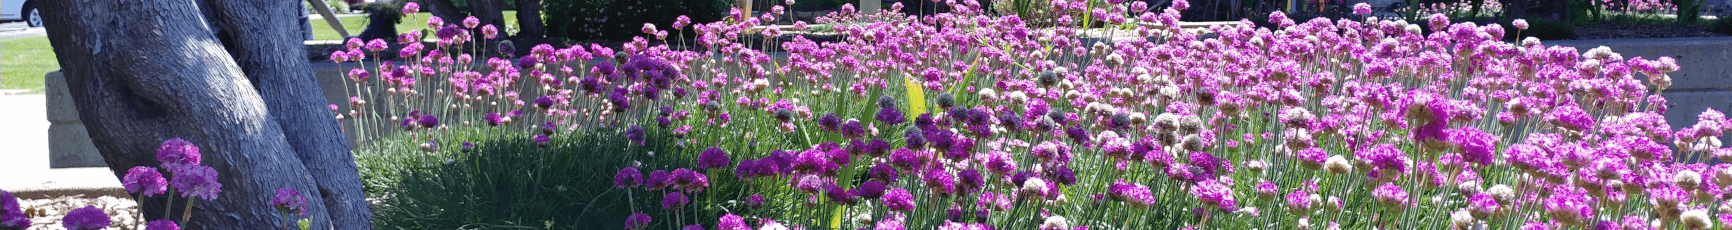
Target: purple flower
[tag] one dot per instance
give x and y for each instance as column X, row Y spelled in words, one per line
column 674, row 200
column 544, row 102
column 635, row 134
column 899, row 199
column 428, row 121
column 1362, row 9
column 1482, row 205
column 1476, row 146
column 145, row 181
column 541, row 140
column 1212, row 192
column 890, row 116
column 408, row 8
column 1570, row 205
column 838, row 195
column 1299, row 201
column 86, row 218
column 11, row 216
column 1136, row 195
column 197, row 181
column 493, row 119
column 637, row 221
column 871, row 189
column 1570, row 117
column 163, row 224
column 628, row 177
column 883, row 172
column 1390, row 195
column 755, row 201
column 713, row 158
column 177, row 152
column 291, row 201
column 687, row 227
column 731, row 222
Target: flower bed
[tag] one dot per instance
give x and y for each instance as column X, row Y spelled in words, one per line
column 969, row 121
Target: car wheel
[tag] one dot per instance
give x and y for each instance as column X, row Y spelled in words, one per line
column 32, row 16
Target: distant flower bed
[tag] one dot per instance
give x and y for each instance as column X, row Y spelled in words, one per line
column 964, row 120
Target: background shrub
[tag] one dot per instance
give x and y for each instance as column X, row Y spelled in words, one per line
column 1722, row 26
column 610, row 19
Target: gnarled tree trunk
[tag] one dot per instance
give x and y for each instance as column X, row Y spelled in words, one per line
column 274, row 61
column 144, row 71
column 529, row 19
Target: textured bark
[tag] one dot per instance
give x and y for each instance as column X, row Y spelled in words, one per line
column 444, row 9
column 529, row 19
column 143, row 71
column 266, row 49
column 490, row 12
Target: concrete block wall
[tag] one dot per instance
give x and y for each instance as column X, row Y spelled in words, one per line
column 1703, row 81
column 69, row 144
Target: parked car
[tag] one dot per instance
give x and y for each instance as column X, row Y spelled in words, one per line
column 20, row 10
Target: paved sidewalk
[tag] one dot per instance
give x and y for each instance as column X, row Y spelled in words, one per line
column 24, row 137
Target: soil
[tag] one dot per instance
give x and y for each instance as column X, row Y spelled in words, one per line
column 1614, row 31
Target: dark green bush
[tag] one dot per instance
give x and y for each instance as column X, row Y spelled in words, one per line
column 623, row 19
column 1722, row 26
column 1544, row 29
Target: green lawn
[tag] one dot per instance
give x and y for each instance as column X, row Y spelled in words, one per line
column 355, row 24
column 24, row 61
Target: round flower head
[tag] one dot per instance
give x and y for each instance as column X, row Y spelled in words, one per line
column 1520, row 24
column 177, row 152
column 755, row 201
column 145, row 181
column 1362, row 9
column 1482, row 205
column 628, row 177
column 731, row 222
column 674, row 200
column 1390, row 195
column 1136, row 195
column 11, row 215
column 411, row 8
column 291, row 201
column 1696, row 219
column 637, row 221
column 471, row 22
column 713, row 158
column 197, row 181
column 899, row 199
column 163, row 224
column 86, row 218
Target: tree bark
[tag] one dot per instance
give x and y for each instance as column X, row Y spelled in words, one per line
column 490, row 12
column 445, row 10
column 274, row 62
column 529, row 23
column 141, row 72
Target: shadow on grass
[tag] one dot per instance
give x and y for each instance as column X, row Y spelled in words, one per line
column 508, row 182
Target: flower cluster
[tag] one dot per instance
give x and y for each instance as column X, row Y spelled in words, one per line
column 970, row 120
column 188, row 178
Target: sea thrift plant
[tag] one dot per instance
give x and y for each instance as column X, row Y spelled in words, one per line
column 86, row 218
column 1113, row 116
column 187, row 178
column 12, row 216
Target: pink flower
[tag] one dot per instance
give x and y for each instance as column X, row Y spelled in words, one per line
column 176, row 153
column 1520, row 24
column 471, row 22
column 291, row 201
column 489, row 31
column 145, row 180
column 87, row 218
column 197, row 181
column 899, row 199
column 411, row 8
column 1362, row 9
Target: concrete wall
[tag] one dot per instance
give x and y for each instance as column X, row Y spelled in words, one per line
column 1703, row 81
